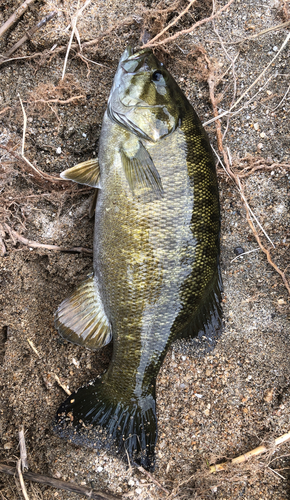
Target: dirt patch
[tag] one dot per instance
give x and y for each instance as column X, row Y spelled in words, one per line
column 213, row 406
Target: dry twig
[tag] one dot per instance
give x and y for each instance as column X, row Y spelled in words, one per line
column 43, row 175
column 17, row 14
column 259, row 164
column 64, row 387
column 62, row 485
column 146, row 473
column 171, row 24
column 35, row 244
column 250, row 454
column 189, row 30
column 29, row 33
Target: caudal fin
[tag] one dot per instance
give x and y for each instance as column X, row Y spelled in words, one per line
column 94, row 418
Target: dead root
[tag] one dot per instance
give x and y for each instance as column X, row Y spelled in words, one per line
column 67, row 91
column 260, row 164
column 34, row 244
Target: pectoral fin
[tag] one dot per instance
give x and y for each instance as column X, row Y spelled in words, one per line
column 87, row 172
column 141, row 172
column 81, row 318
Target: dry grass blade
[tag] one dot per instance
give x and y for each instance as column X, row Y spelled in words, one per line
column 22, row 448
column 33, row 348
column 74, row 25
column 263, row 32
column 263, row 72
column 22, row 484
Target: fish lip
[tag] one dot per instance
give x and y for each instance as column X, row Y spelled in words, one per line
column 140, row 55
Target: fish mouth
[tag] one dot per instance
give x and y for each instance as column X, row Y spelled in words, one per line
column 135, row 61
column 138, row 53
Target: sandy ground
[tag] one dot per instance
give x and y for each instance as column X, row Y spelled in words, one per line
column 211, row 406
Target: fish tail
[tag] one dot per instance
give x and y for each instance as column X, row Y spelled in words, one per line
column 96, row 418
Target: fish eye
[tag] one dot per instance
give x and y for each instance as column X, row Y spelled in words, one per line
column 157, row 75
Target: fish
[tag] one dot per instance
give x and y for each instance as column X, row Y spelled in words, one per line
column 156, row 272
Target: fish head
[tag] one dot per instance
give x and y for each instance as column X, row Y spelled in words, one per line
column 145, row 99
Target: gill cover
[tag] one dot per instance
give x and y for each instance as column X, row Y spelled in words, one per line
column 142, row 98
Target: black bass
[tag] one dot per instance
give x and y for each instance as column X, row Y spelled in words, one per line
column 156, row 256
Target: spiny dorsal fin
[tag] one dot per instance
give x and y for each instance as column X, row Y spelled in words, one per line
column 81, row 318
column 87, row 172
column 141, row 172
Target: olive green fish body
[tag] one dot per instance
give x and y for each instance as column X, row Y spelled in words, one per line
column 156, row 254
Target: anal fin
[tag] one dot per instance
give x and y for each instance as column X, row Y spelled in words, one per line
column 87, row 172
column 81, row 318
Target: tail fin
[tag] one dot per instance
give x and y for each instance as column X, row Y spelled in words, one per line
column 94, row 418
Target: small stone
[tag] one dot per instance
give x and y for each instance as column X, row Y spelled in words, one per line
column 58, row 151
column 256, row 126
column 269, row 395
column 138, row 491
column 238, row 250
column 275, row 48
column 8, row 446
column 263, row 135
column 100, row 468
column 281, row 302
column 131, row 482
column 75, row 362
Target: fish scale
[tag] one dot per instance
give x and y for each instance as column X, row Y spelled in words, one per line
column 156, row 256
